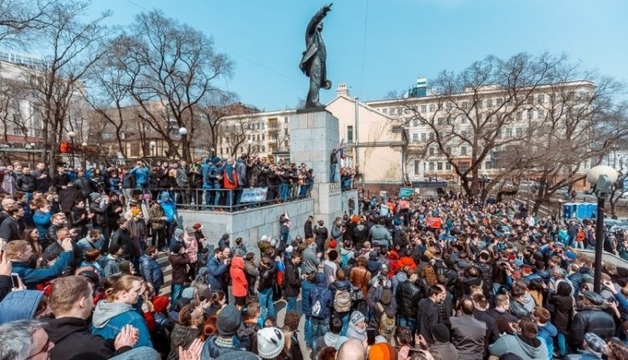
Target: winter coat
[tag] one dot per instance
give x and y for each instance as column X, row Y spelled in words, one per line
column 468, row 335
column 310, row 261
column 239, row 285
column 26, row 183
column 240, row 167
column 42, row 222
column 267, row 277
column 140, row 175
column 150, row 270
column 168, row 206
column 217, row 270
column 191, row 248
column 408, row 296
column 563, row 308
column 155, row 214
column 73, row 340
column 360, row 278
column 20, row 305
column 515, row 345
column 592, row 319
column 100, row 218
column 292, row 280
column 179, row 267
column 31, row 277
column 110, row 317
column 67, row 197
column 122, row 237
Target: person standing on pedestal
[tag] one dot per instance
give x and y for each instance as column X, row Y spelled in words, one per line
column 333, row 171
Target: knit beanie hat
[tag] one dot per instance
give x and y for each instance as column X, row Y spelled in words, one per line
column 270, row 342
column 386, row 297
column 382, row 351
column 229, row 320
column 441, row 333
column 357, row 317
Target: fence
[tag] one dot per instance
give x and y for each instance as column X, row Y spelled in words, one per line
column 230, row 200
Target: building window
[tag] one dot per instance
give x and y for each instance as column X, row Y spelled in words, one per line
column 432, row 151
column 432, row 107
column 391, row 111
column 415, row 137
column 447, row 166
column 464, row 166
column 431, row 166
column 417, row 167
column 519, row 132
column 448, row 106
column 285, row 131
column 350, row 134
column 529, row 114
column 439, row 166
column 263, row 137
column 135, row 149
column 448, row 150
column 487, row 165
column 263, row 148
column 385, row 110
column 489, row 103
column 285, row 119
column 531, row 99
column 540, row 99
column 541, row 113
column 479, row 104
column 423, row 108
column 431, row 136
column 441, row 121
column 508, row 133
column 498, row 102
column 464, row 105
column 423, row 137
column 463, row 133
column 463, row 119
column 415, row 122
column 463, row 150
column 518, row 115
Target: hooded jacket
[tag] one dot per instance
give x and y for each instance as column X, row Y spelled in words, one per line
column 20, row 305
column 110, row 317
column 168, row 206
column 239, row 284
column 32, row 277
column 515, row 345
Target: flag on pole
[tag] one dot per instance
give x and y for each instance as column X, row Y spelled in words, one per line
column 341, row 149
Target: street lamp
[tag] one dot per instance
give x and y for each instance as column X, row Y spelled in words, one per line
column 483, row 197
column 84, row 145
column 602, row 177
column 249, row 151
column 71, row 135
column 152, row 145
column 184, row 136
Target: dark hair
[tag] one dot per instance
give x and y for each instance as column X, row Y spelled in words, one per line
column 333, row 255
column 335, row 325
column 114, row 248
column 292, row 320
column 180, row 303
column 467, row 306
column 434, row 290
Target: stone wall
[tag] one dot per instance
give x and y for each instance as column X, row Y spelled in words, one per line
column 250, row 224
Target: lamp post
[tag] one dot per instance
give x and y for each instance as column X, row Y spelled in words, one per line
column 560, row 208
column 71, row 135
column 483, row 197
column 602, row 177
column 184, row 142
column 84, row 155
column 249, row 150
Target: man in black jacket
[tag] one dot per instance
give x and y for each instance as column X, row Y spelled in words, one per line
column 71, row 303
column 293, row 281
column 427, row 315
column 591, row 317
column 307, row 228
column 408, row 297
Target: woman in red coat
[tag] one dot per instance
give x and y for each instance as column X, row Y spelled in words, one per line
column 239, row 285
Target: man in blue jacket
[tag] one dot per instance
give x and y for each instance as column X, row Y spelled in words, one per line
column 218, row 266
column 19, row 253
column 140, row 173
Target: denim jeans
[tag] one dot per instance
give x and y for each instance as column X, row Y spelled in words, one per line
column 332, row 173
column 209, row 194
column 410, row 323
column 284, row 191
column 266, row 304
column 307, row 329
column 319, row 327
column 217, row 194
column 175, row 293
column 578, row 244
column 562, row 344
column 292, row 303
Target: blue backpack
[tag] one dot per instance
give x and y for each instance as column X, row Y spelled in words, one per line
column 319, row 307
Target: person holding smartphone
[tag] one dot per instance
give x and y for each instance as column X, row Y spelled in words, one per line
column 5, row 274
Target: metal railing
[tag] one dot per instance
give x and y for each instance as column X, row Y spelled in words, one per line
column 216, row 199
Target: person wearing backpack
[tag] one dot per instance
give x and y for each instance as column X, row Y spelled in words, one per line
column 292, row 281
column 384, row 312
column 321, row 302
column 341, row 291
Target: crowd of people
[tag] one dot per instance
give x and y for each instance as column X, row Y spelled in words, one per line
column 446, row 278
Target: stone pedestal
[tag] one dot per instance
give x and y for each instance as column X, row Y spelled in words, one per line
column 313, row 136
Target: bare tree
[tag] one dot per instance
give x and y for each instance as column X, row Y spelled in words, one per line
column 72, row 46
column 497, row 111
column 217, row 118
column 174, row 66
column 20, row 20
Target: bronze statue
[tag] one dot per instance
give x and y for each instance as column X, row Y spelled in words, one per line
column 313, row 63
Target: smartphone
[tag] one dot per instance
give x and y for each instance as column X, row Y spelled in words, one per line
column 15, row 280
column 370, row 336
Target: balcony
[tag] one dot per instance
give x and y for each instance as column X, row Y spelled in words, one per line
column 416, row 148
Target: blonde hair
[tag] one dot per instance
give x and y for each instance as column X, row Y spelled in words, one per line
column 66, row 291
column 15, row 247
column 125, row 283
